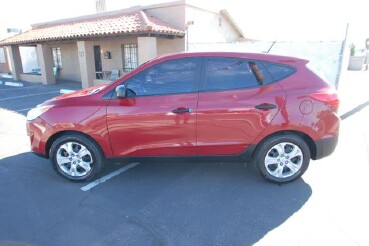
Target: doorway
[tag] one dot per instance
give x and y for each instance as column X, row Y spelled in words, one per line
column 98, row 65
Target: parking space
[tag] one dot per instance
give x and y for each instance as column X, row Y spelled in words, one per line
column 176, row 203
column 21, row 99
column 151, row 204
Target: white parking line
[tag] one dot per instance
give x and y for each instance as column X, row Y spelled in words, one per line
column 29, row 95
column 18, row 88
column 109, row 176
column 25, row 109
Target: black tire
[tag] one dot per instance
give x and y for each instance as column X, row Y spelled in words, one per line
column 277, row 149
column 92, row 158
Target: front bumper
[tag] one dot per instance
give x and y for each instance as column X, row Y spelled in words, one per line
column 36, row 130
column 325, row 147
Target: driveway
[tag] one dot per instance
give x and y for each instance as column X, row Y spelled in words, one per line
column 175, row 203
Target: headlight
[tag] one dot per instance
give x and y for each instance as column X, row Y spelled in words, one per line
column 36, row 112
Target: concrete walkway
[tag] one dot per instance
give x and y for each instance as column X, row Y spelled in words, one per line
column 62, row 84
column 353, row 91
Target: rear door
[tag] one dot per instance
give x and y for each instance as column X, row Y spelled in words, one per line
column 237, row 101
column 158, row 118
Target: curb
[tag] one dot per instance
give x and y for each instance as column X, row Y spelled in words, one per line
column 6, row 76
column 66, row 91
column 16, row 84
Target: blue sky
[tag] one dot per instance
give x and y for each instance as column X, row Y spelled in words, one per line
column 316, row 20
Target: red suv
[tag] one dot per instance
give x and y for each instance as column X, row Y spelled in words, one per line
column 268, row 109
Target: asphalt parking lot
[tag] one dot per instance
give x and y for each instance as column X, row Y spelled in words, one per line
column 175, row 203
column 21, row 99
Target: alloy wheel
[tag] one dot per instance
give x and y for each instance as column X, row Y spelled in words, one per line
column 283, row 160
column 74, row 159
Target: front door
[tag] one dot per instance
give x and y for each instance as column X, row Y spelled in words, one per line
column 158, row 117
column 98, row 65
column 236, row 103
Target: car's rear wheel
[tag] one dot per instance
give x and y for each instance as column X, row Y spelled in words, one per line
column 282, row 158
column 76, row 157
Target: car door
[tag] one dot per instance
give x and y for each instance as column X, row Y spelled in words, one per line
column 237, row 101
column 157, row 118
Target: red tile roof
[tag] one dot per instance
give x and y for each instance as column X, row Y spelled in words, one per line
column 98, row 25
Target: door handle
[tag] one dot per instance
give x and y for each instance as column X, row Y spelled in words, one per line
column 182, row 110
column 266, row 106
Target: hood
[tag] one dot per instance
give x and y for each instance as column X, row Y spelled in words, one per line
column 81, row 93
column 76, row 94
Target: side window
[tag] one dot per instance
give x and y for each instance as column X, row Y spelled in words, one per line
column 279, row 71
column 170, row 77
column 2, row 55
column 233, row 73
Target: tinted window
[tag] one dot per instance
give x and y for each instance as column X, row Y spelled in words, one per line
column 278, row 71
column 232, row 73
column 170, row 77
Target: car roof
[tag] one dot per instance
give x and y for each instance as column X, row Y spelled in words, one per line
column 252, row 56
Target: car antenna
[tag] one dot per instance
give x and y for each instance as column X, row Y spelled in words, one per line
column 271, row 46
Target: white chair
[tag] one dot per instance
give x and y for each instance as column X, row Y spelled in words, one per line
column 114, row 74
column 55, row 70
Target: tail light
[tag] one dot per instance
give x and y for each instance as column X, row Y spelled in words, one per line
column 330, row 98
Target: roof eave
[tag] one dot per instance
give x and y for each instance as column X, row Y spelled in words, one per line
column 152, row 33
column 229, row 18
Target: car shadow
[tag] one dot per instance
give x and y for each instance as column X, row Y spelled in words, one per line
column 164, row 203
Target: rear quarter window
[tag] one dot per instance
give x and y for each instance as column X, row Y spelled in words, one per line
column 279, row 71
column 223, row 73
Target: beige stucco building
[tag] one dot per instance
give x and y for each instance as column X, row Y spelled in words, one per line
column 91, row 49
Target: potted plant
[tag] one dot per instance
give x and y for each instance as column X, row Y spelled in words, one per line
column 356, row 62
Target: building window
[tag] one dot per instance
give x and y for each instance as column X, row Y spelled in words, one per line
column 57, row 58
column 130, row 58
column 2, row 55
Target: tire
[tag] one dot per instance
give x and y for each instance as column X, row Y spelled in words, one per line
column 75, row 157
column 282, row 158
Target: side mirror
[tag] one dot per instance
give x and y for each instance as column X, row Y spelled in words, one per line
column 121, row 91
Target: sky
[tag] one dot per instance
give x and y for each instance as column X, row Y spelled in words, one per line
column 289, row 20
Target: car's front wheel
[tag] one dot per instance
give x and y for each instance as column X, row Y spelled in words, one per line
column 76, row 157
column 282, row 158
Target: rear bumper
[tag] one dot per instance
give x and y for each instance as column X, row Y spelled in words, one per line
column 325, row 147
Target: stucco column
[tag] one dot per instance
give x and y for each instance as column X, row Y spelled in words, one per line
column 45, row 62
column 15, row 61
column 86, row 62
column 147, row 49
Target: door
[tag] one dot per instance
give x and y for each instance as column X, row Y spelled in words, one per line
column 158, row 116
column 237, row 101
column 98, row 65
